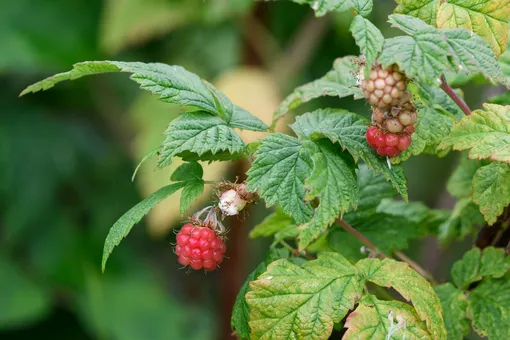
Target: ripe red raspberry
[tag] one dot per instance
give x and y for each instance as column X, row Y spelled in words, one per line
column 387, row 143
column 383, row 88
column 199, row 247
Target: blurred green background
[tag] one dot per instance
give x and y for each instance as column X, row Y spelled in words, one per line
column 67, row 155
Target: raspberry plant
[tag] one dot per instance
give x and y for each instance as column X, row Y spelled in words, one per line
column 334, row 179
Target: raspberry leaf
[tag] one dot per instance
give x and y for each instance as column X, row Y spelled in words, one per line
column 412, row 286
column 377, row 319
column 426, row 10
column 454, row 304
column 172, row 84
column 489, row 308
column 197, row 135
column 423, row 55
column 334, row 182
column 486, row 132
column 472, row 54
column 460, row 182
column 322, row 7
column 409, row 24
column 278, row 173
column 348, row 129
column 341, row 81
column 462, row 221
column 491, row 190
column 487, row 18
column 368, row 38
column 310, row 298
column 123, row 226
column 191, row 173
column 272, row 224
column 477, row 264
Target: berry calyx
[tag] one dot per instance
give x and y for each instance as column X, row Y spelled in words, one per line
column 199, row 247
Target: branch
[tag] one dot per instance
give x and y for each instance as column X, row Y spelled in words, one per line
column 376, row 250
column 451, row 93
column 360, row 237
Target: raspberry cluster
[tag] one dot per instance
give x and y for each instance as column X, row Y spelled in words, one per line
column 394, row 114
column 199, row 247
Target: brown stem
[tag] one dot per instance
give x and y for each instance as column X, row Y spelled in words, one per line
column 360, row 237
column 451, row 93
column 376, row 250
column 415, row 266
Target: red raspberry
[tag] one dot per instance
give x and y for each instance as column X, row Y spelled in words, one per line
column 391, row 139
column 404, row 142
column 371, row 132
column 199, row 247
column 387, row 143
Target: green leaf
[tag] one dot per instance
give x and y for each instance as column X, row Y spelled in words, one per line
column 279, row 172
column 423, row 9
column 424, row 55
column 487, row 18
column 491, row 190
column 369, row 39
column 377, row 319
column 341, row 81
column 460, row 182
column 322, row 7
column 477, row 264
column 409, row 24
column 272, row 224
column 489, row 308
column 412, row 286
column 241, row 310
column 191, row 171
column 348, row 129
column 190, row 193
column 433, row 96
column 473, row 55
column 123, row 226
column 416, row 212
column 145, row 158
column 242, row 119
column 200, row 133
column 486, row 132
column 431, row 129
column 454, row 304
column 388, row 232
column 334, row 182
column 23, row 301
column 303, row 302
column 461, row 223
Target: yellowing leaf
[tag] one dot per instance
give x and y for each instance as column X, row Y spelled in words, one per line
column 426, row 10
column 486, row 132
column 454, row 304
column 491, row 190
column 302, row 302
column 412, row 286
column 375, row 319
column 487, row 18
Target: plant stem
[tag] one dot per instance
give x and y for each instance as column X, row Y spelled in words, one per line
column 376, row 250
column 415, row 266
column 360, row 237
column 451, row 93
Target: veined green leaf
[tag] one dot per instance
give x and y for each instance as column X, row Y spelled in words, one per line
column 341, row 81
column 322, row 7
column 279, row 172
column 191, row 173
column 487, row 18
column 412, row 286
column 460, row 182
column 377, row 319
column 477, row 264
column 369, row 39
column 489, row 308
column 454, row 304
column 348, row 129
column 123, row 226
column 201, row 134
column 491, row 190
column 334, row 182
column 426, row 10
column 486, row 132
column 462, row 221
column 409, row 24
column 272, row 224
column 303, row 302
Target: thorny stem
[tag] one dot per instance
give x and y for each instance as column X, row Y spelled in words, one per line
column 451, row 93
column 376, row 250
